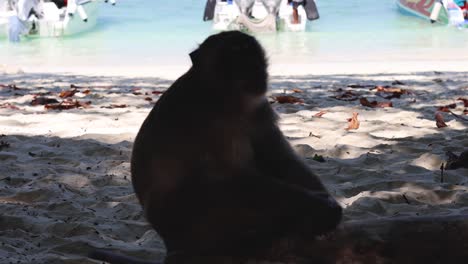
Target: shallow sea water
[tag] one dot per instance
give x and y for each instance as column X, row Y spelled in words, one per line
column 147, row 33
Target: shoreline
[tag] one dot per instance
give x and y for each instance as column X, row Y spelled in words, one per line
column 275, row 69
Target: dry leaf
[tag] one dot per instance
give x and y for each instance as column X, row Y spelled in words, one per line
column 87, row 91
column 320, row 114
column 67, row 93
column 149, row 99
column 43, row 101
column 465, row 101
column 288, row 99
column 440, row 120
column 67, row 105
column 388, row 96
column 297, row 90
column 347, row 96
column 387, row 89
column 157, row 92
column 9, row 106
column 390, row 92
column 112, row 106
column 353, row 122
column 359, row 85
column 446, row 108
column 375, row 104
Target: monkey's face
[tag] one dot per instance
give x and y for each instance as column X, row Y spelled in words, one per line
column 231, row 64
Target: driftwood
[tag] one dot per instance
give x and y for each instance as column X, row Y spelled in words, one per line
column 398, row 240
column 395, row 240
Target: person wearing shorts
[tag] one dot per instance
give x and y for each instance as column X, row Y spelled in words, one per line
column 463, row 4
column 295, row 5
column 60, row 3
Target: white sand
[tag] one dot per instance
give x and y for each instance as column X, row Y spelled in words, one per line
column 394, row 63
column 65, row 182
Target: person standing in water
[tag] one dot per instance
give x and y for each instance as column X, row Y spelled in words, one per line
column 463, row 4
column 295, row 5
column 60, row 3
column 17, row 24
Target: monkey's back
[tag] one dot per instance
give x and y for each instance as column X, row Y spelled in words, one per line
column 178, row 144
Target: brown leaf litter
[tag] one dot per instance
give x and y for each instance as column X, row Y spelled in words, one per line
column 67, row 105
column 388, row 92
column 347, row 95
column 43, row 101
column 353, row 122
column 440, row 123
column 374, row 104
column 320, row 114
column 288, row 99
column 9, row 106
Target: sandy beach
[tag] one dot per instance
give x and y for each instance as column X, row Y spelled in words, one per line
column 66, row 140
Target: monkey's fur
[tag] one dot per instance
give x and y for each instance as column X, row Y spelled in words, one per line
column 210, row 166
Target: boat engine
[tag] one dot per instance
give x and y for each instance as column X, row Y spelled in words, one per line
column 272, row 6
column 245, row 6
column 258, row 15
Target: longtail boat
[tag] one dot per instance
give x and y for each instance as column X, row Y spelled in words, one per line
column 436, row 11
column 259, row 15
column 47, row 18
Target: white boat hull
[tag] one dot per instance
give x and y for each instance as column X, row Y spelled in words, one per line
column 55, row 22
column 70, row 25
column 4, row 16
column 226, row 16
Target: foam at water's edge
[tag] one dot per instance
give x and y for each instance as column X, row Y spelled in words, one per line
column 276, row 69
column 354, row 36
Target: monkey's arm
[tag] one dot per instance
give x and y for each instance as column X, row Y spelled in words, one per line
column 113, row 258
column 275, row 157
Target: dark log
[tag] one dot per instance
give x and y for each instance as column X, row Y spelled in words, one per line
column 441, row 239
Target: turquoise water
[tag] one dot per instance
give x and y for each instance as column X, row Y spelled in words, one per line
column 157, row 32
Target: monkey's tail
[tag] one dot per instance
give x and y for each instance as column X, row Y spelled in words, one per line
column 112, row 258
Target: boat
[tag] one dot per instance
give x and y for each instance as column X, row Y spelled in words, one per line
column 258, row 15
column 445, row 12
column 5, row 13
column 48, row 20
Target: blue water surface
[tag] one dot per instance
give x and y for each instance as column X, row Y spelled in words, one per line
column 157, row 32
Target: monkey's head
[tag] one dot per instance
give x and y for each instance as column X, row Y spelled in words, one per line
column 231, row 64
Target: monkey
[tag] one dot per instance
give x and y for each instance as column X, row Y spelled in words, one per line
column 212, row 170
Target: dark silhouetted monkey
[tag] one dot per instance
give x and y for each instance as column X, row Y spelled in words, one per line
column 210, row 166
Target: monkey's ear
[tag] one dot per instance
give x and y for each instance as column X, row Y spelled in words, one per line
column 194, row 56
